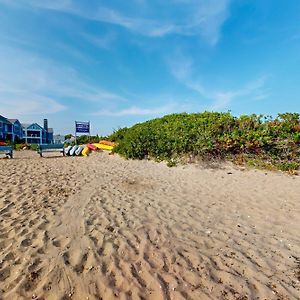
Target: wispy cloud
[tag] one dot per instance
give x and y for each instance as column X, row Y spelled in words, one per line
column 180, row 65
column 104, row 41
column 222, row 99
column 20, row 103
column 185, row 17
column 182, row 68
column 30, row 84
column 138, row 111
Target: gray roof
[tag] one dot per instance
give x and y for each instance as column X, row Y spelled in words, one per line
column 59, row 137
column 25, row 125
column 13, row 120
column 4, row 120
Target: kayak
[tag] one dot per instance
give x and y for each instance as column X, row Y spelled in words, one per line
column 103, row 146
column 78, row 150
column 108, row 143
column 72, row 151
column 85, row 151
column 67, row 150
column 92, row 147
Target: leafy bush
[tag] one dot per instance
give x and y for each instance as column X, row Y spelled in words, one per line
column 20, row 146
column 288, row 166
column 86, row 139
column 213, row 135
column 34, row 147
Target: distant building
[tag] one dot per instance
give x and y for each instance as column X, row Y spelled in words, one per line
column 10, row 129
column 71, row 139
column 50, row 136
column 13, row 130
column 17, row 132
column 59, row 139
column 48, row 132
column 33, row 134
column 36, row 134
column 5, row 128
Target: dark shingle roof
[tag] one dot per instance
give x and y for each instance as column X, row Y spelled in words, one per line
column 4, row 120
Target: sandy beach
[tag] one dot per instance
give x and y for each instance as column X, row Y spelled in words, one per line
column 105, row 228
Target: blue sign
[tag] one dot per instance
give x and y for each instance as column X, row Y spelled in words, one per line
column 82, row 127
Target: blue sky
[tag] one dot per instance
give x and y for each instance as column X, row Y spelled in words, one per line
column 116, row 63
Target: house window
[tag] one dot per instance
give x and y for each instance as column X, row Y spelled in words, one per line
column 1, row 124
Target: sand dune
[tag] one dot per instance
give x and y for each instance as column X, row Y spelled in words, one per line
column 105, row 228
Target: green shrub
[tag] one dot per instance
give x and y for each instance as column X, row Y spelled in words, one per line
column 214, row 135
column 34, row 147
column 18, row 147
column 87, row 139
column 288, row 166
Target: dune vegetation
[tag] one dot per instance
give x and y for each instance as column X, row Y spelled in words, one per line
column 261, row 141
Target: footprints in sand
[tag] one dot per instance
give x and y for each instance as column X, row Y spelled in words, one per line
column 126, row 233
column 26, row 209
column 139, row 258
column 76, row 262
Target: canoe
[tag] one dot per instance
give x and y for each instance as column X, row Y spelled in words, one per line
column 108, row 143
column 92, row 147
column 78, row 150
column 67, row 150
column 72, row 151
column 85, row 151
column 103, row 147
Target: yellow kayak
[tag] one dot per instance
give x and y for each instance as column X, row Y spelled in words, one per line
column 103, row 147
column 85, row 151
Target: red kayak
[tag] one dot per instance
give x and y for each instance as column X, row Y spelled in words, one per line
column 91, row 147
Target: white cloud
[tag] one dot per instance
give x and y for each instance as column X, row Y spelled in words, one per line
column 188, row 17
column 104, row 42
column 45, row 4
column 262, row 96
column 137, row 111
column 160, row 30
column 182, row 68
column 212, row 15
column 32, row 85
column 21, row 103
column 222, row 99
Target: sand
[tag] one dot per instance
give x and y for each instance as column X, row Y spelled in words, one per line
column 105, row 228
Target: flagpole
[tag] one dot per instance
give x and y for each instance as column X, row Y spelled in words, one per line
column 75, row 134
